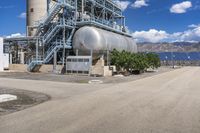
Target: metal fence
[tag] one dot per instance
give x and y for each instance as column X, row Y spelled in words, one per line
column 78, row 64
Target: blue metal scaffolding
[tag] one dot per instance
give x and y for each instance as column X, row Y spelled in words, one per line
column 54, row 32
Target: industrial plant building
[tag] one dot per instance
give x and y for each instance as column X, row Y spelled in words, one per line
column 76, row 34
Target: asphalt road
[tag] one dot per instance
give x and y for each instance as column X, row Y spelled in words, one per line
column 164, row 103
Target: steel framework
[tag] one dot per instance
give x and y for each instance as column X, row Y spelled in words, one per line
column 55, row 30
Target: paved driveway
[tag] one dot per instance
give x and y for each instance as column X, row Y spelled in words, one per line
column 165, row 103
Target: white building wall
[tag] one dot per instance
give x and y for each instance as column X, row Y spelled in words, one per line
column 1, row 55
column 6, row 61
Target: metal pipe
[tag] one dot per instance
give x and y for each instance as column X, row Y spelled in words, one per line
column 82, row 10
column 64, row 40
column 37, row 49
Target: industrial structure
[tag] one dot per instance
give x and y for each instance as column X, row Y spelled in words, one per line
column 57, row 29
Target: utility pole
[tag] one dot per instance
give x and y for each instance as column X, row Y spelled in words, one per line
column 172, row 57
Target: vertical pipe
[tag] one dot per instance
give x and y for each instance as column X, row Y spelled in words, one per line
column 10, row 56
column 75, row 12
column 91, row 54
column 64, row 38
column 82, row 10
column 104, row 4
column 63, row 60
column 108, row 60
column 54, row 61
column 92, row 11
column 37, row 50
column 76, row 52
column 66, row 61
column 43, row 51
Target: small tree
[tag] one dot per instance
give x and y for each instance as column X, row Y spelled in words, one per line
column 134, row 62
column 121, row 60
column 139, row 62
column 115, row 59
column 153, row 60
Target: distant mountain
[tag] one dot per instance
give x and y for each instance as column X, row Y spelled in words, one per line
column 166, row 47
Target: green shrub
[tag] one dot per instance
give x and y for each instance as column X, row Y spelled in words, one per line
column 129, row 62
column 153, row 60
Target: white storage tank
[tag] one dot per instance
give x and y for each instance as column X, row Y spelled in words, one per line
column 36, row 10
column 91, row 38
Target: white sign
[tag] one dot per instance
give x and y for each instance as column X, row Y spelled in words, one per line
column 7, row 97
column 1, row 55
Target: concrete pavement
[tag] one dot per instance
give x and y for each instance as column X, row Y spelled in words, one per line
column 165, row 103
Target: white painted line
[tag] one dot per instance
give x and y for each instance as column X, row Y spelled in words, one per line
column 95, row 82
column 119, row 76
column 7, row 97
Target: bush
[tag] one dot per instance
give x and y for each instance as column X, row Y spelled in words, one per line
column 134, row 62
column 153, row 60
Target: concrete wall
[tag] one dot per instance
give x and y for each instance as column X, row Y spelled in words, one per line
column 100, row 69
column 49, row 68
column 43, row 69
column 18, row 67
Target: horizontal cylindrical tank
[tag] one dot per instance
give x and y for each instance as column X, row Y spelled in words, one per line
column 91, row 38
column 36, row 9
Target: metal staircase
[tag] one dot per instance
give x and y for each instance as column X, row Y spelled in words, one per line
column 53, row 11
column 48, row 30
column 55, row 28
column 34, row 65
column 57, row 45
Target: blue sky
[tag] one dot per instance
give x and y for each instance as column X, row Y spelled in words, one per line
column 10, row 22
column 149, row 20
column 158, row 16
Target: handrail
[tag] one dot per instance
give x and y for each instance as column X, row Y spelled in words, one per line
column 46, row 16
column 53, row 8
column 55, row 25
column 50, row 30
column 101, row 21
column 35, row 59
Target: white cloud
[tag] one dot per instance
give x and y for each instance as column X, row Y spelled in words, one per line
column 152, row 35
column 7, row 7
column 181, row 7
column 188, row 35
column 139, row 3
column 22, row 15
column 122, row 4
column 15, row 35
column 194, row 25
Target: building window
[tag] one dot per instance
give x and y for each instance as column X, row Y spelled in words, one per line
column 32, row 10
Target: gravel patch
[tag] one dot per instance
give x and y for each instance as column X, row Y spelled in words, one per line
column 25, row 99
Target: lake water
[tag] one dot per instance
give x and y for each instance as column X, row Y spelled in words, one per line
column 182, row 56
